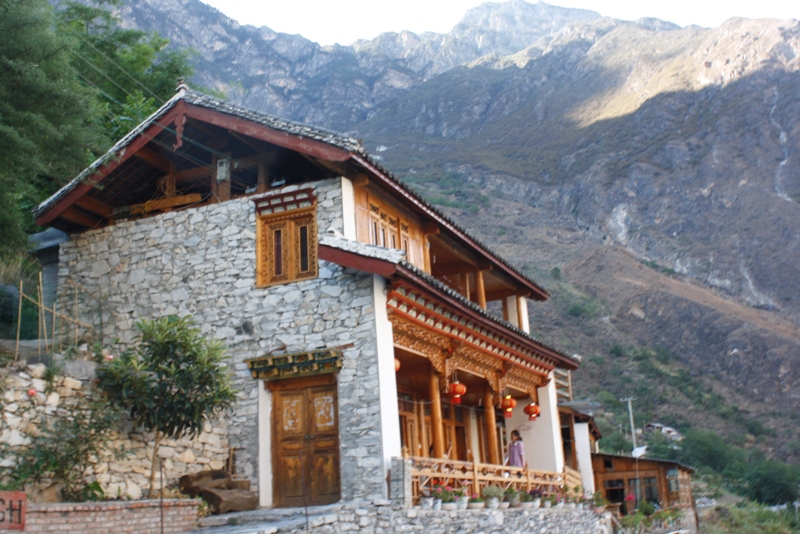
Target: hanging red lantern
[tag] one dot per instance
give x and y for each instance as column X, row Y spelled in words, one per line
column 507, row 405
column 532, row 411
column 455, row 391
column 396, row 365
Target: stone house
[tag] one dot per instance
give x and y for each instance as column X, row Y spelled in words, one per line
column 362, row 324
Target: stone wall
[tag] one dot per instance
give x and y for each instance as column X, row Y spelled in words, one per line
column 23, row 413
column 141, row 517
column 201, row 262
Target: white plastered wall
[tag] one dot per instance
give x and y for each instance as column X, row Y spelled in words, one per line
column 513, row 316
column 264, row 445
column 583, row 451
column 348, row 210
column 542, row 438
column 390, row 417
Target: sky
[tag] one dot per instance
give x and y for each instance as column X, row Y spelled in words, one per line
column 343, row 21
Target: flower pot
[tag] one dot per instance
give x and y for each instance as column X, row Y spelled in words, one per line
column 426, row 503
column 579, row 506
column 493, row 503
column 461, row 503
column 536, row 503
column 476, row 505
column 503, row 505
column 599, row 510
column 528, row 504
column 449, row 506
column 547, row 504
column 571, row 505
column 437, row 504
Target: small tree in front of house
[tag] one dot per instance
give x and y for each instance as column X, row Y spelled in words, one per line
column 171, row 383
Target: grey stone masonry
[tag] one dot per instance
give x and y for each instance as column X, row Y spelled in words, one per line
column 202, row 262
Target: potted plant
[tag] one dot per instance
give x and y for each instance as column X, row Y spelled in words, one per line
column 475, row 502
column 461, row 499
column 492, row 495
column 525, row 499
column 549, row 501
column 511, row 496
column 448, row 498
column 536, row 497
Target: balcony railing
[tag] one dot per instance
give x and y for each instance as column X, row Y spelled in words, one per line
column 472, row 477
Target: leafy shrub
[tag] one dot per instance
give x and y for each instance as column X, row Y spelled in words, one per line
column 65, row 449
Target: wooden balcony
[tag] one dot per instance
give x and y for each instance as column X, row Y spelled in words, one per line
column 472, row 477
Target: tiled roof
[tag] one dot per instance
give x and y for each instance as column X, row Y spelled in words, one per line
column 398, row 257
column 349, row 144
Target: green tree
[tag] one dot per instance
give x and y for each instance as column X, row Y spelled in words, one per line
column 173, row 381
column 48, row 126
column 133, row 70
column 772, row 482
column 616, row 443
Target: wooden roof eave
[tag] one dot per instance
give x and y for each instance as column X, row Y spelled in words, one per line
column 113, row 160
column 536, row 292
column 390, row 270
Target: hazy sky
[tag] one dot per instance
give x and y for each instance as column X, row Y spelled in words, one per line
column 344, row 21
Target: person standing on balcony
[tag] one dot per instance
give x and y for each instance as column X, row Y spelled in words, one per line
column 516, row 451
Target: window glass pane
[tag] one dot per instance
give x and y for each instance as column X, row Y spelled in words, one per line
column 303, row 249
column 278, row 251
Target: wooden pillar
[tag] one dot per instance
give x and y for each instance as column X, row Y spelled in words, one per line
column 465, row 285
column 437, row 429
column 214, row 185
column 520, row 320
column 491, row 430
column 263, row 176
column 505, row 310
column 480, row 289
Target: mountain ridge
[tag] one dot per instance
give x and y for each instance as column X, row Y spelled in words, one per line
column 584, row 143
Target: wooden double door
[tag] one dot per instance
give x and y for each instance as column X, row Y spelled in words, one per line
column 305, row 442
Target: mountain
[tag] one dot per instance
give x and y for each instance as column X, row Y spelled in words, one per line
column 647, row 172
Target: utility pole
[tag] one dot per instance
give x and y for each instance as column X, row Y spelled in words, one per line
column 630, row 414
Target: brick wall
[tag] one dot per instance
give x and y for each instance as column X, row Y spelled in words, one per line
column 140, row 517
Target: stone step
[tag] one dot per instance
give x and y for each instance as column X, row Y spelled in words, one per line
column 268, row 520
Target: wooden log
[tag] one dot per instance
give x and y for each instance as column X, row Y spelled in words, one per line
column 224, row 501
column 162, row 203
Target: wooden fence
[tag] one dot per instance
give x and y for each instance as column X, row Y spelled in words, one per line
column 472, row 477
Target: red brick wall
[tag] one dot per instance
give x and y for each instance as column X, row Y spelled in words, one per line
column 140, row 517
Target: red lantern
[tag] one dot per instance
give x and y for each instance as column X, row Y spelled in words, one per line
column 455, row 391
column 532, row 411
column 507, row 405
column 396, row 365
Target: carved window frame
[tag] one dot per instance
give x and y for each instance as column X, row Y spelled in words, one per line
column 286, row 243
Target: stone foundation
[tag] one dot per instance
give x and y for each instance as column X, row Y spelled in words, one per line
column 127, row 477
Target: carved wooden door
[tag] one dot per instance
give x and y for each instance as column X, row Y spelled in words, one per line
column 306, row 443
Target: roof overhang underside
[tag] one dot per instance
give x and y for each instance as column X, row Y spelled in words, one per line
column 167, row 163
column 415, row 296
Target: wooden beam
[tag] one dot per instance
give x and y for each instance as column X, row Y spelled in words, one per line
column 193, row 174
column 491, row 428
column 305, row 145
column 163, row 203
column 263, row 175
column 437, row 427
column 78, row 216
column 154, row 159
column 95, row 206
column 431, row 228
column 360, row 180
column 122, row 156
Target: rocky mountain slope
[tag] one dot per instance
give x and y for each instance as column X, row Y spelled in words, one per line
column 655, row 166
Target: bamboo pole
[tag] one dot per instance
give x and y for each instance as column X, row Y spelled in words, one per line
column 75, row 294
column 19, row 321
column 43, row 312
column 61, row 315
column 39, row 334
